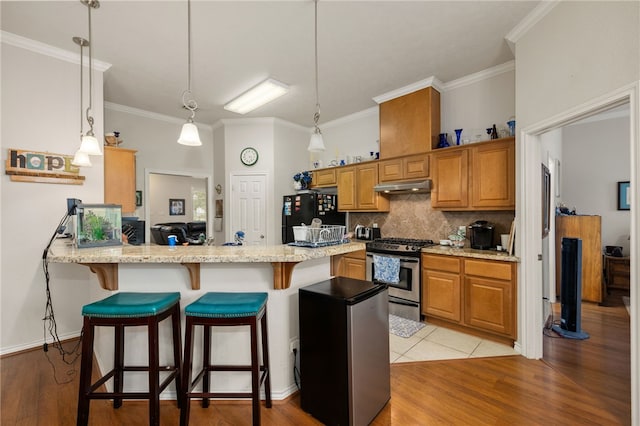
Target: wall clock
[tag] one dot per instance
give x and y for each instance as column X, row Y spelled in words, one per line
column 249, row 156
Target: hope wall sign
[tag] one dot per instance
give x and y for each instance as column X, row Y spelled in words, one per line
column 43, row 167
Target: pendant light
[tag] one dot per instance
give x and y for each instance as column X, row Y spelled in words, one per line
column 81, row 159
column 316, row 144
column 89, row 144
column 189, row 135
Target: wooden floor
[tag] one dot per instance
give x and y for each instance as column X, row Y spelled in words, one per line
column 585, row 382
column 601, row 363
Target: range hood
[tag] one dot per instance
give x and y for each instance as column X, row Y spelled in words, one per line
column 413, row 187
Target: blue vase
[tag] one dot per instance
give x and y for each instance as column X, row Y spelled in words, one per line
column 458, row 134
column 512, row 127
column 443, row 140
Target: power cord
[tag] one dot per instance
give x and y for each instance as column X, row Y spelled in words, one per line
column 49, row 325
column 296, row 372
column 550, row 323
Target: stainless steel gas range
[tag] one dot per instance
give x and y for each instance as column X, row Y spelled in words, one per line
column 401, row 255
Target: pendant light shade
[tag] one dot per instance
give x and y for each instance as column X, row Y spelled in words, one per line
column 81, row 159
column 316, row 144
column 189, row 135
column 89, row 145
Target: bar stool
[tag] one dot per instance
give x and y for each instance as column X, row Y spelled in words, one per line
column 124, row 310
column 226, row 309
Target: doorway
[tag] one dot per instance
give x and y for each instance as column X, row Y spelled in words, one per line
column 248, row 211
column 529, row 223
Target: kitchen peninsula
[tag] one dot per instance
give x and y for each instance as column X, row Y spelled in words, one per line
column 277, row 270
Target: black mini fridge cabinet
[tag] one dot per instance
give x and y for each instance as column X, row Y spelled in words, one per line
column 344, row 350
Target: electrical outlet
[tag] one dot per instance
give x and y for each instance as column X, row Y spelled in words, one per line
column 294, row 343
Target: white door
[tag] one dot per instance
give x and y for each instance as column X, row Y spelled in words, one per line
column 248, row 208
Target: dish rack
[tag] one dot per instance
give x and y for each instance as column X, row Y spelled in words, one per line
column 325, row 235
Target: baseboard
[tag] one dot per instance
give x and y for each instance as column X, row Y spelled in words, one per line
column 32, row 346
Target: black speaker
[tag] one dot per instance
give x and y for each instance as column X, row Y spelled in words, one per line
column 134, row 230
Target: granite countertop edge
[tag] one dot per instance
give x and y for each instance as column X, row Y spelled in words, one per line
column 472, row 253
column 62, row 252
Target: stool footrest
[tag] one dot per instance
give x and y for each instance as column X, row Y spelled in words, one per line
column 214, row 395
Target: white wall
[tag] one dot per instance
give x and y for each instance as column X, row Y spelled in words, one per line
column 476, row 102
column 162, row 188
column 219, row 178
column 41, row 112
column 596, row 157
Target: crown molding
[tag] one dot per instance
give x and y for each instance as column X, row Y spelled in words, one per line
column 48, row 50
column 152, row 115
column 532, row 18
column 480, row 75
column 413, row 87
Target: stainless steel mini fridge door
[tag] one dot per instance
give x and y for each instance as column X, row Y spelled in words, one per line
column 369, row 371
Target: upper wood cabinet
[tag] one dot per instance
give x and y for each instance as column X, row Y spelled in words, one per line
column 410, row 124
column 120, row 177
column 355, row 189
column 324, row 177
column 480, row 176
column 404, row 168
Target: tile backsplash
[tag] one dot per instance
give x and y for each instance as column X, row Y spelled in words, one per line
column 411, row 216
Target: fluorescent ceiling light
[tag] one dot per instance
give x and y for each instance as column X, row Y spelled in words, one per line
column 257, row 96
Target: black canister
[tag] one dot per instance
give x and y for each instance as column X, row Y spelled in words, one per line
column 481, row 235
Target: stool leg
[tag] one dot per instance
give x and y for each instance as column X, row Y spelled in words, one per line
column 86, row 365
column 265, row 359
column 177, row 351
column 154, row 379
column 255, row 373
column 186, row 372
column 206, row 364
column 118, row 364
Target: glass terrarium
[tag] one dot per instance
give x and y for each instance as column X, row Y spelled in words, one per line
column 98, row 225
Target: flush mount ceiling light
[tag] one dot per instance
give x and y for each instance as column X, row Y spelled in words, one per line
column 189, row 135
column 257, row 96
column 89, row 143
column 316, row 144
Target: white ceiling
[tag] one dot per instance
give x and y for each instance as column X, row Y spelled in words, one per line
column 365, row 48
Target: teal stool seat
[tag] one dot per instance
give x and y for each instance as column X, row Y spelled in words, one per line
column 227, row 305
column 123, row 305
column 125, row 310
column 224, row 310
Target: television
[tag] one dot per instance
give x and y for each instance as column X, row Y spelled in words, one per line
column 571, row 290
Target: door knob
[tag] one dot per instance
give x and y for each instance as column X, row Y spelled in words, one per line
column 262, row 237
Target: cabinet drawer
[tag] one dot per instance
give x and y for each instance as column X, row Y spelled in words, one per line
column 483, row 268
column 441, row 263
column 360, row 254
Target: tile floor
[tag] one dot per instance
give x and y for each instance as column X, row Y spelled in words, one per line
column 437, row 343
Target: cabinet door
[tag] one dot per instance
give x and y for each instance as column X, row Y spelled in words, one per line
column 493, row 175
column 441, row 294
column 120, row 178
column 346, row 188
column 450, row 179
column 354, row 268
column 410, row 124
column 324, row 177
column 489, row 305
column 416, row 167
column 367, row 178
column 391, row 170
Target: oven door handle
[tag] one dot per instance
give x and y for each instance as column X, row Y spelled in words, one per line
column 402, row 259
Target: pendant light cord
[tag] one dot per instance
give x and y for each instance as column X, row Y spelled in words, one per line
column 81, row 84
column 316, row 116
column 90, row 5
column 191, row 103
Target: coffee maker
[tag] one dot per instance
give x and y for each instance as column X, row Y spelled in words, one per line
column 481, row 235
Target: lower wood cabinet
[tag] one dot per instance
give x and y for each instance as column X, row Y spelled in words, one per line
column 472, row 293
column 350, row 265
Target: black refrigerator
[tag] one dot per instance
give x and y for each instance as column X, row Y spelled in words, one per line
column 344, row 350
column 303, row 208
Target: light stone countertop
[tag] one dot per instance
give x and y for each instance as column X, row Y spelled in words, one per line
column 468, row 252
column 62, row 252
column 104, row 261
